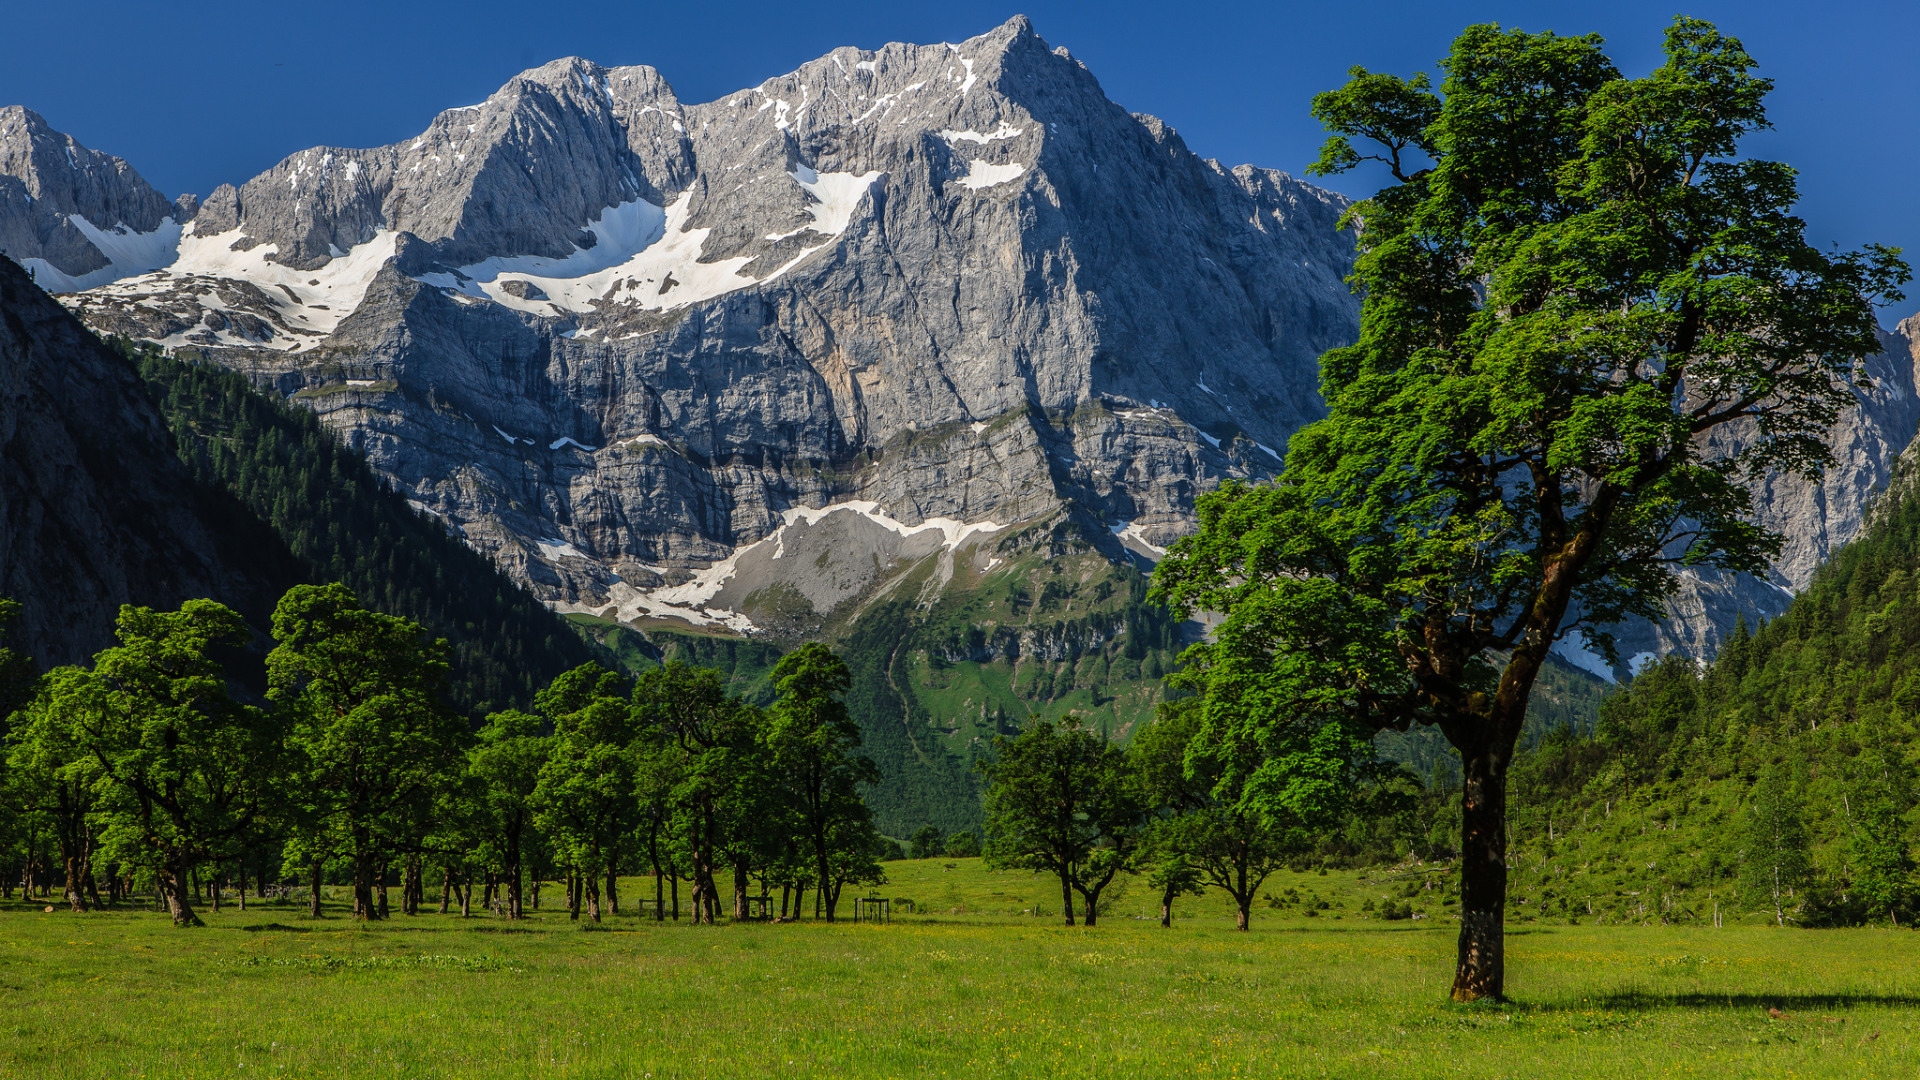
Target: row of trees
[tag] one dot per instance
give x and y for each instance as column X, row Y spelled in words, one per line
column 1174, row 804
column 152, row 763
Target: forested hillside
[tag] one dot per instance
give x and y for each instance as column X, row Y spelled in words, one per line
column 342, row 523
column 1790, row 759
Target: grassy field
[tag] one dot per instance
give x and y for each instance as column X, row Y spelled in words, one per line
column 968, row 988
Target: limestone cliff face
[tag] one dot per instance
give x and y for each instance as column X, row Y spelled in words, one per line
column 612, row 338
column 640, row 350
column 95, row 509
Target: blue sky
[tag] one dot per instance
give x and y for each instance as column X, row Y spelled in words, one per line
column 218, row 91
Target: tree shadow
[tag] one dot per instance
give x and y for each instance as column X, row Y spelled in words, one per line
column 1638, row 1000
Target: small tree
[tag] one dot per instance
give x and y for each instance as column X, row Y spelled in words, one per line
column 185, row 770
column 52, row 777
column 1171, row 875
column 1058, row 801
column 961, row 845
column 926, row 842
column 1775, row 861
column 814, row 742
column 1205, row 820
column 707, row 748
column 585, row 798
column 504, row 765
column 1883, row 864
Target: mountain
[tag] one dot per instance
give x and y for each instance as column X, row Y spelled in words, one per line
column 896, row 332
column 75, row 217
column 95, row 509
column 127, row 477
column 614, row 339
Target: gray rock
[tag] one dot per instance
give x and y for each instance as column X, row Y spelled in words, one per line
column 47, row 179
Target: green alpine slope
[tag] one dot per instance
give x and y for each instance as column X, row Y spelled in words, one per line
column 1775, row 785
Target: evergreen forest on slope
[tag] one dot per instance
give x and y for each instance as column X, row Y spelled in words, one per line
column 343, row 523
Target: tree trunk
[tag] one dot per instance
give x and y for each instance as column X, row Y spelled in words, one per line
column 363, row 887
column 1166, row 909
column 613, row 890
column 1243, row 896
column 446, row 890
column 513, row 876
column 1480, row 970
column 740, row 889
column 175, row 881
column 674, row 880
column 70, row 856
column 465, row 886
column 213, row 888
column 313, row 899
column 411, row 887
column 1066, row 895
column 573, row 894
column 242, row 875
column 826, row 875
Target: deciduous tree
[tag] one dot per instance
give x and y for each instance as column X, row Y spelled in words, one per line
column 815, row 746
column 373, row 735
column 1587, row 324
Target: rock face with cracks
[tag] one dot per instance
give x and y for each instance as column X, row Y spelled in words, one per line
column 648, row 354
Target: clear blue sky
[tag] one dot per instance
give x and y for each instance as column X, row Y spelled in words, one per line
column 197, row 95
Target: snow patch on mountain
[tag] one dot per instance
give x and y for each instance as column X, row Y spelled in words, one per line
column 645, row 255
column 128, row 254
column 980, row 174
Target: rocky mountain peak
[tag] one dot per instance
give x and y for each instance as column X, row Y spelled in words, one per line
column 77, row 216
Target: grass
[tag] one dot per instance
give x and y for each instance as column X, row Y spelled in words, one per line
column 967, row 988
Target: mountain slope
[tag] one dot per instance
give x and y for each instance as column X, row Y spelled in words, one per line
column 95, row 509
column 1648, row 817
column 340, row 522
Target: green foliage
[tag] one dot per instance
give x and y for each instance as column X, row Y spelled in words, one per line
column 961, row 845
column 181, row 770
column 1060, row 800
column 926, row 842
column 343, row 523
column 814, row 744
column 373, row 739
column 1774, row 862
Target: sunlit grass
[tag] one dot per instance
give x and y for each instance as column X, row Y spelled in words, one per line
column 972, row 992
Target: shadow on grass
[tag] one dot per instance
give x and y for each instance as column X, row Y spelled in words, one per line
column 1653, row 1001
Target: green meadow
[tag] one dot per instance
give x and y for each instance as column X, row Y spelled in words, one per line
column 969, row 986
